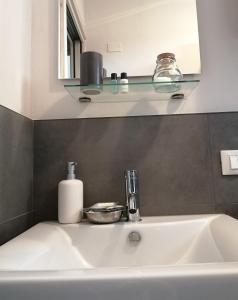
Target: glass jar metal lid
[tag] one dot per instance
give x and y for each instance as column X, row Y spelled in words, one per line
column 166, row 55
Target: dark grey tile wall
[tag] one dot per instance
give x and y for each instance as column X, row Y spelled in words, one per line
column 16, row 174
column 177, row 158
column 224, row 135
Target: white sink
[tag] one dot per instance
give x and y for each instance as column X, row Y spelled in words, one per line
column 185, row 257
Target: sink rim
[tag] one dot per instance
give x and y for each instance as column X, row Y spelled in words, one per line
column 160, row 271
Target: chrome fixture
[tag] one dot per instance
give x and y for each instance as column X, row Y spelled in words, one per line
column 132, row 196
column 134, row 237
column 104, row 213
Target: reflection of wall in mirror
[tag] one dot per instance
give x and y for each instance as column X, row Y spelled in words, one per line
column 143, row 29
column 81, row 10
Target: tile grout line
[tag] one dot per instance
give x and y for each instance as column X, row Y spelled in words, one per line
column 33, row 171
column 210, row 146
column 17, row 217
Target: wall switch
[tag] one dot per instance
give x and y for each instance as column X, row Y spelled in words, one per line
column 234, row 162
column 229, row 162
column 114, row 47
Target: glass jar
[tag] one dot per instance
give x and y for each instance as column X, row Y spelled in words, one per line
column 167, row 73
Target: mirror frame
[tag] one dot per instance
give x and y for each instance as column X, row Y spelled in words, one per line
column 62, row 33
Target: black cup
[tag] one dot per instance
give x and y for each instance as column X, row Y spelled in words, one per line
column 91, row 71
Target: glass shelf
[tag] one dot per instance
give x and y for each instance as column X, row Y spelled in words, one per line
column 133, row 91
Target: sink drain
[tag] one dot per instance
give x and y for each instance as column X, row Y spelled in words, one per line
column 134, row 237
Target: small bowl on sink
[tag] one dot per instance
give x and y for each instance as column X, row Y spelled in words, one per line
column 104, row 213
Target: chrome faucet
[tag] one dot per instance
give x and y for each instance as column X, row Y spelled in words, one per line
column 132, row 196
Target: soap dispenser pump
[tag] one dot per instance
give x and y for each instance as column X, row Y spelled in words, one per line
column 70, row 197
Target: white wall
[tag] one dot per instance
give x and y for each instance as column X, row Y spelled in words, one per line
column 218, row 24
column 15, row 55
column 144, row 29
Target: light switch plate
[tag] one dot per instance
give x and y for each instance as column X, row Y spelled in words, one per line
column 114, row 47
column 226, row 157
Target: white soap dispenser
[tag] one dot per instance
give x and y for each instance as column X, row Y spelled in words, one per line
column 70, row 198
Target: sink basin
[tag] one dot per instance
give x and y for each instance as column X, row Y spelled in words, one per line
column 182, row 257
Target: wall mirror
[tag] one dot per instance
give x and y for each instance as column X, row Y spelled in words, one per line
column 129, row 34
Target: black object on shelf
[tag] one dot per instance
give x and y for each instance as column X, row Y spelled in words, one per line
column 91, row 72
column 91, row 68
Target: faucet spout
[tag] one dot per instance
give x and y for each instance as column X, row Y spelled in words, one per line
column 132, row 196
